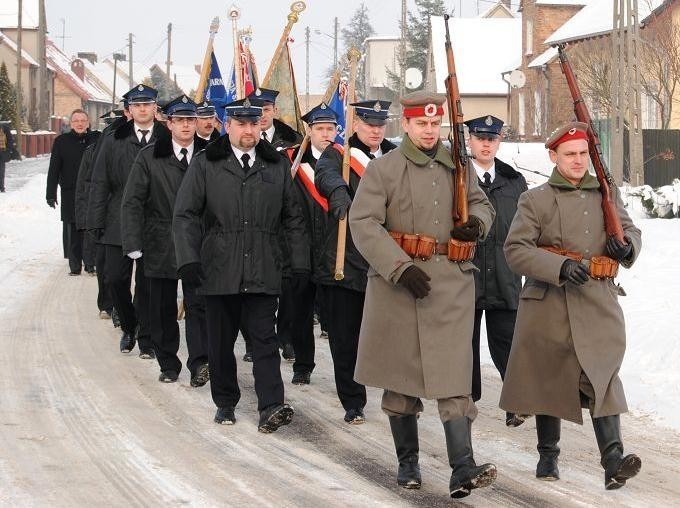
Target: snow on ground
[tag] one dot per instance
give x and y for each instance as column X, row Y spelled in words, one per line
column 29, row 230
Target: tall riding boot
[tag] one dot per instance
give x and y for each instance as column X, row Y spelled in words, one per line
column 617, row 468
column 466, row 475
column 548, row 432
column 405, row 434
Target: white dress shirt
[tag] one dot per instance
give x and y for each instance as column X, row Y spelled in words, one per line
column 239, row 153
column 480, row 171
column 270, row 133
column 139, row 134
column 177, row 148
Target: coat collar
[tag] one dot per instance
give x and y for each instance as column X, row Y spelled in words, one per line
column 587, row 182
column 128, row 129
column 221, row 149
column 419, row 158
column 506, row 170
column 285, row 132
column 385, row 146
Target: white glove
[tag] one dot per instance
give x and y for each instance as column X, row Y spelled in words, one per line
column 135, row 254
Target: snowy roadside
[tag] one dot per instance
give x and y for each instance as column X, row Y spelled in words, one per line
column 30, row 234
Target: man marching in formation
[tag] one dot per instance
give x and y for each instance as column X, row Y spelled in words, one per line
column 249, row 222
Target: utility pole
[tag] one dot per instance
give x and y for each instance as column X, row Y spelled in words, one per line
column 43, row 106
column 335, row 43
column 307, row 69
column 20, row 95
column 116, row 58
column 131, row 79
column 402, row 49
column 168, row 62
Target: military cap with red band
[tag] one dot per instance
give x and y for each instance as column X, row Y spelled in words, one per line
column 567, row 132
column 422, row 103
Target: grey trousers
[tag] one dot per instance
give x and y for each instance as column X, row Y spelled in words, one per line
column 450, row 408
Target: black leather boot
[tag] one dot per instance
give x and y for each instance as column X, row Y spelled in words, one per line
column 405, row 434
column 548, row 432
column 466, row 475
column 617, row 468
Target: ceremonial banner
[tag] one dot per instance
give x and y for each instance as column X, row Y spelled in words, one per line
column 338, row 104
column 215, row 89
column 282, row 78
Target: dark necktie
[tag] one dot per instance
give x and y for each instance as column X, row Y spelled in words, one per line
column 264, row 136
column 487, row 178
column 144, row 132
column 245, row 159
column 371, row 156
column 184, row 160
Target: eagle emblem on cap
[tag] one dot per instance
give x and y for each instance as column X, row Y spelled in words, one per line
column 323, row 105
column 572, row 131
column 140, row 88
column 430, row 109
column 377, row 107
column 488, row 121
column 258, row 92
column 246, row 103
column 184, row 99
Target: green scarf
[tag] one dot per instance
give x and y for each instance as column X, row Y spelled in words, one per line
column 587, row 182
column 417, row 157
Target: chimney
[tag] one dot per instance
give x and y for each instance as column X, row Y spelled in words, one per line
column 507, row 3
column 92, row 57
column 78, row 68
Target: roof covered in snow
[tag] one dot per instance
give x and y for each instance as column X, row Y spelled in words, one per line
column 85, row 88
column 479, row 72
column 4, row 39
column 544, row 58
column 597, row 18
column 186, row 77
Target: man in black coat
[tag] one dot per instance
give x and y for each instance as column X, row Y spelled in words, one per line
column 496, row 286
column 146, row 222
column 206, row 123
column 321, row 128
column 6, row 149
column 344, row 299
column 276, row 132
column 67, row 152
column 234, row 200
column 110, row 174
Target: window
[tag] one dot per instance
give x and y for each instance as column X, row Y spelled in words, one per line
column 521, row 117
column 529, row 43
column 538, row 113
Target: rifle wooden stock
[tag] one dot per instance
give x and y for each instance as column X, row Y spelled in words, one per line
column 456, row 136
column 612, row 222
column 353, row 55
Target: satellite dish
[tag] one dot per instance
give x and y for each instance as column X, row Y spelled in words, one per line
column 517, row 79
column 413, row 78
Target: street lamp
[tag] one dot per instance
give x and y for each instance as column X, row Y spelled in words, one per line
column 335, row 40
column 116, row 58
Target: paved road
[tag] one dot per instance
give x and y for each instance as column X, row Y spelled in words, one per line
column 82, row 424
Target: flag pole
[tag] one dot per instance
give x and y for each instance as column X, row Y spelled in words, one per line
column 332, row 86
column 234, row 14
column 205, row 68
column 354, row 55
column 295, row 9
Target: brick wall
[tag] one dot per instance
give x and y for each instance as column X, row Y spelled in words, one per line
column 65, row 101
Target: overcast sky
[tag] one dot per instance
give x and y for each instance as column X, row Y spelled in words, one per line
column 87, row 28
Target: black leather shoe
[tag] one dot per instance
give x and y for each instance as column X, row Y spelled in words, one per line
column 274, row 417
column 288, row 353
column 301, row 378
column 90, row 270
column 355, row 416
column 147, row 353
column 225, row 416
column 127, row 342
column 248, row 357
column 201, row 377
column 515, row 420
column 74, row 273
column 168, row 376
column 115, row 318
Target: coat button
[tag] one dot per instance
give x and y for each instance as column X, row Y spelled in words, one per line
column 583, row 196
column 587, row 231
column 436, row 202
column 585, row 213
column 245, row 255
column 434, row 184
column 245, row 290
column 436, row 221
column 245, row 221
column 437, row 259
column 243, row 184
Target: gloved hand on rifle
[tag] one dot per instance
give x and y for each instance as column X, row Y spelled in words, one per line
column 468, row 232
column 416, row 281
column 617, row 250
column 339, row 202
column 191, row 275
column 574, row 272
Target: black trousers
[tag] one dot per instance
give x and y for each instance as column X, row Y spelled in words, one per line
column 319, row 302
column 2, row 174
column 65, row 238
column 104, row 301
column 500, row 325
column 75, row 247
column 303, row 328
column 344, row 310
column 285, row 313
column 164, row 329
column 89, row 249
column 131, row 312
column 256, row 313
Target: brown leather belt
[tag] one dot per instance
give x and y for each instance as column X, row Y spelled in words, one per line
column 424, row 247
column 601, row 267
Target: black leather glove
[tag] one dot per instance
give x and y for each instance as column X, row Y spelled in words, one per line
column 299, row 281
column 468, row 232
column 96, row 233
column 416, row 281
column 574, row 272
column 191, row 275
column 617, row 250
column 52, row 203
column 339, row 202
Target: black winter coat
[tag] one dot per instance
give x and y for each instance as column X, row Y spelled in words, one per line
column 229, row 220
column 497, row 287
column 315, row 216
column 327, row 178
column 111, row 169
column 148, row 203
column 67, row 152
column 284, row 136
column 83, row 186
